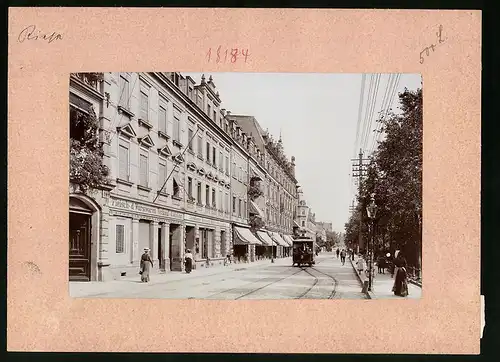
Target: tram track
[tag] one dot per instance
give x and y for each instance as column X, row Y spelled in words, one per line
column 335, row 282
column 316, row 280
column 272, row 279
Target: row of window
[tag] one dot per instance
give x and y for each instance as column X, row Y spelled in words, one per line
column 210, row 154
column 210, row 199
column 215, row 198
column 277, row 174
column 207, row 241
column 277, row 218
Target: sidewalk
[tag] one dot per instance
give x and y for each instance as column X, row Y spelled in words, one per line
column 95, row 288
column 382, row 286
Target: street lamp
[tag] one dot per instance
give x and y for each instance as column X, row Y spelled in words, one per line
column 371, row 210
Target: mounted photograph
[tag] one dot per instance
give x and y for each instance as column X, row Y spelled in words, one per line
column 237, row 186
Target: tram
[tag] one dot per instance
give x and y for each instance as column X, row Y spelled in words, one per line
column 303, row 251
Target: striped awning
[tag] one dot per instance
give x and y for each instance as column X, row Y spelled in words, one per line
column 277, row 238
column 266, row 240
column 255, row 209
column 245, row 236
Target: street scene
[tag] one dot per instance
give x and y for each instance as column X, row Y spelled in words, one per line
column 264, row 186
column 329, row 279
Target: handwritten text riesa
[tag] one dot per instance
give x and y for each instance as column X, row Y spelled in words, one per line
column 32, row 33
column 440, row 39
column 226, row 55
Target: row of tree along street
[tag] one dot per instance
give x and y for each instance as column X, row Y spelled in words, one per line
column 394, row 175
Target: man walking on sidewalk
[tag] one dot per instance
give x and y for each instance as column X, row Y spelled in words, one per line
column 338, row 252
column 342, row 256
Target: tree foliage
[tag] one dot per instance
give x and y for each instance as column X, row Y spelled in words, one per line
column 394, row 175
column 86, row 168
column 333, row 238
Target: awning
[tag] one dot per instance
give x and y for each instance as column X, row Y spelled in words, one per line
column 266, row 240
column 245, row 236
column 288, row 239
column 277, row 238
column 254, row 209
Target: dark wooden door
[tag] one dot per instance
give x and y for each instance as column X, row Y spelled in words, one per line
column 161, row 261
column 79, row 247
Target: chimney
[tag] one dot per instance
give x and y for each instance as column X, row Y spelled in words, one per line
column 293, row 166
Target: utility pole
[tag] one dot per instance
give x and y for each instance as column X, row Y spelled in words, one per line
column 359, row 172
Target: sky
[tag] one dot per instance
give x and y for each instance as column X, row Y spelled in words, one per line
column 317, row 116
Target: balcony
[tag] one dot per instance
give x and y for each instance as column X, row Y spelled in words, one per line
column 92, row 80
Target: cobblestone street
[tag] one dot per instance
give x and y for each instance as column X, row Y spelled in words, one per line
column 328, row 279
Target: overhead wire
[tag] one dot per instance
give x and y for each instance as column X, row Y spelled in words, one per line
column 390, row 103
column 360, row 110
column 372, row 111
column 385, row 101
column 368, row 102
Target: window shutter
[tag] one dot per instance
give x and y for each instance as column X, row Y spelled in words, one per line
column 120, row 239
column 144, row 106
column 162, row 120
column 161, row 175
column 123, row 159
column 144, row 170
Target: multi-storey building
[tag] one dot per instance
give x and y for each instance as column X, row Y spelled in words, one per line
column 170, row 191
column 278, row 183
column 304, row 219
column 183, row 174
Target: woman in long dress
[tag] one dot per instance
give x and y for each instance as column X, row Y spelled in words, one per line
column 146, row 265
column 400, row 287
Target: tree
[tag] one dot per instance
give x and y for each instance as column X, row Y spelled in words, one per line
column 394, row 175
column 333, row 238
column 86, row 168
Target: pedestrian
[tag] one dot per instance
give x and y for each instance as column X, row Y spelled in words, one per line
column 342, row 256
column 400, row 287
column 146, row 265
column 360, row 264
column 338, row 252
column 381, row 265
column 188, row 261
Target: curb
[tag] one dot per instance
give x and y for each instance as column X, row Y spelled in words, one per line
column 370, row 295
column 418, row 284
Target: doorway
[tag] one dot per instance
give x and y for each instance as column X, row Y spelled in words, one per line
column 223, row 246
column 161, row 260
column 79, row 246
column 174, row 245
column 190, row 238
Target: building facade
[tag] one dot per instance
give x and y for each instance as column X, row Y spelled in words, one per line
column 276, row 176
column 183, row 174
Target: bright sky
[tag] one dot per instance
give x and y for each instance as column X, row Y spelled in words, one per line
column 317, row 115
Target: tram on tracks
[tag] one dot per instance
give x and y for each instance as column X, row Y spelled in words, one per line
column 304, row 251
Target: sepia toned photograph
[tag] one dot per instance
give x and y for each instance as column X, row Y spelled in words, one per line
column 234, row 186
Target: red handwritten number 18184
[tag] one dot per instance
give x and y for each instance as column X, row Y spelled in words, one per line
column 226, row 55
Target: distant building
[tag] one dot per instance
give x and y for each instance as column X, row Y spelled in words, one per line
column 304, row 218
column 327, row 226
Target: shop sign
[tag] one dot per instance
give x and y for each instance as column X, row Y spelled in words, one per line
column 141, row 209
